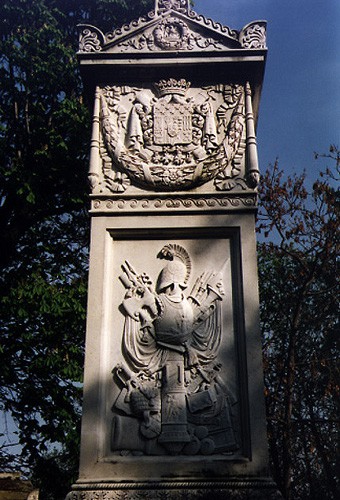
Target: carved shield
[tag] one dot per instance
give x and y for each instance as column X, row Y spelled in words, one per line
column 172, row 123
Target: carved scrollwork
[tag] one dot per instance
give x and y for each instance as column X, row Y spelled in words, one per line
column 172, row 137
column 170, row 34
column 190, row 204
column 253, row 36
column 178, row 5
column 126, row 29
column 216, row 26
column 90, row 39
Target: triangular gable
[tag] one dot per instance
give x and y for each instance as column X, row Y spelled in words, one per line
column 172, row 31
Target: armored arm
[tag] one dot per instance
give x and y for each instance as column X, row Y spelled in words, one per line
column 140, row 301
column 206, row 291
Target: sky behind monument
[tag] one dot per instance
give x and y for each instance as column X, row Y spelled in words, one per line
column 300, row 103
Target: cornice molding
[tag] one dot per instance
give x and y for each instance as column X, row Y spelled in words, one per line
column 173, row 203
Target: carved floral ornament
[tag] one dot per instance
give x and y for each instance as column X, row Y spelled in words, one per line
column 178, row 5
column 169, row 137
column 171, row 33
column 177, row 490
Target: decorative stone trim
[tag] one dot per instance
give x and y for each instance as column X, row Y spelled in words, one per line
column 126, row 29
column 176, row 495
column 178, row 5
column 166, row 485
column 253, row 35
column 91, row 39
column 209, row 23
column 170, row 34
column 173, row 203
column 238, row 490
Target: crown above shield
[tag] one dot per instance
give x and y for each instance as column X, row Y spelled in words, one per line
column 172, row 86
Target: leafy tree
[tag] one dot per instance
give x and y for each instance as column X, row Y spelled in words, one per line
column 299, row 310
column 44, row 127
column 44, row 142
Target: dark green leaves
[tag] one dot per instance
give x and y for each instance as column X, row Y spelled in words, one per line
column 44, row 144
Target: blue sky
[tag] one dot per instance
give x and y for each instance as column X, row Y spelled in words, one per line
column 300, row 104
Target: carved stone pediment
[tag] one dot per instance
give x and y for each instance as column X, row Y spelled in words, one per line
column 176, row 29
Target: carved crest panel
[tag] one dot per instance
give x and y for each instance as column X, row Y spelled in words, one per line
column 170, row 136
column 172, row 123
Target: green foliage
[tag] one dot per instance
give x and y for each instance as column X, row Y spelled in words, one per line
column 42, row 312
column 44, row 126
column 44, row 144
column 299, row 311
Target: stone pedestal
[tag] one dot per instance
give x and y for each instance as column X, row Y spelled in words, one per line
column 173, row 391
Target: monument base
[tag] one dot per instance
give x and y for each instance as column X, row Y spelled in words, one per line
column 238, row 489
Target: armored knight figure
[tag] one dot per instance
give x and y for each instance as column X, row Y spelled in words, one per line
column 174, row 325
column 171, row 391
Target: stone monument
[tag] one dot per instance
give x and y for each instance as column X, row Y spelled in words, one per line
column 173, row 391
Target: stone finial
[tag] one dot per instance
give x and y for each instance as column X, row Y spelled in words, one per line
column 165, row 5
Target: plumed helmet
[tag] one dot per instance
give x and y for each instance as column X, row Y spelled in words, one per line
column 174, row 272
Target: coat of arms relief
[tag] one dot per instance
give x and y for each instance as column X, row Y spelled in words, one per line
column 171, row 136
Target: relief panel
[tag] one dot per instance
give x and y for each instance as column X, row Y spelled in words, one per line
column 174, row 379
column 170, row 136
column 171, row 34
